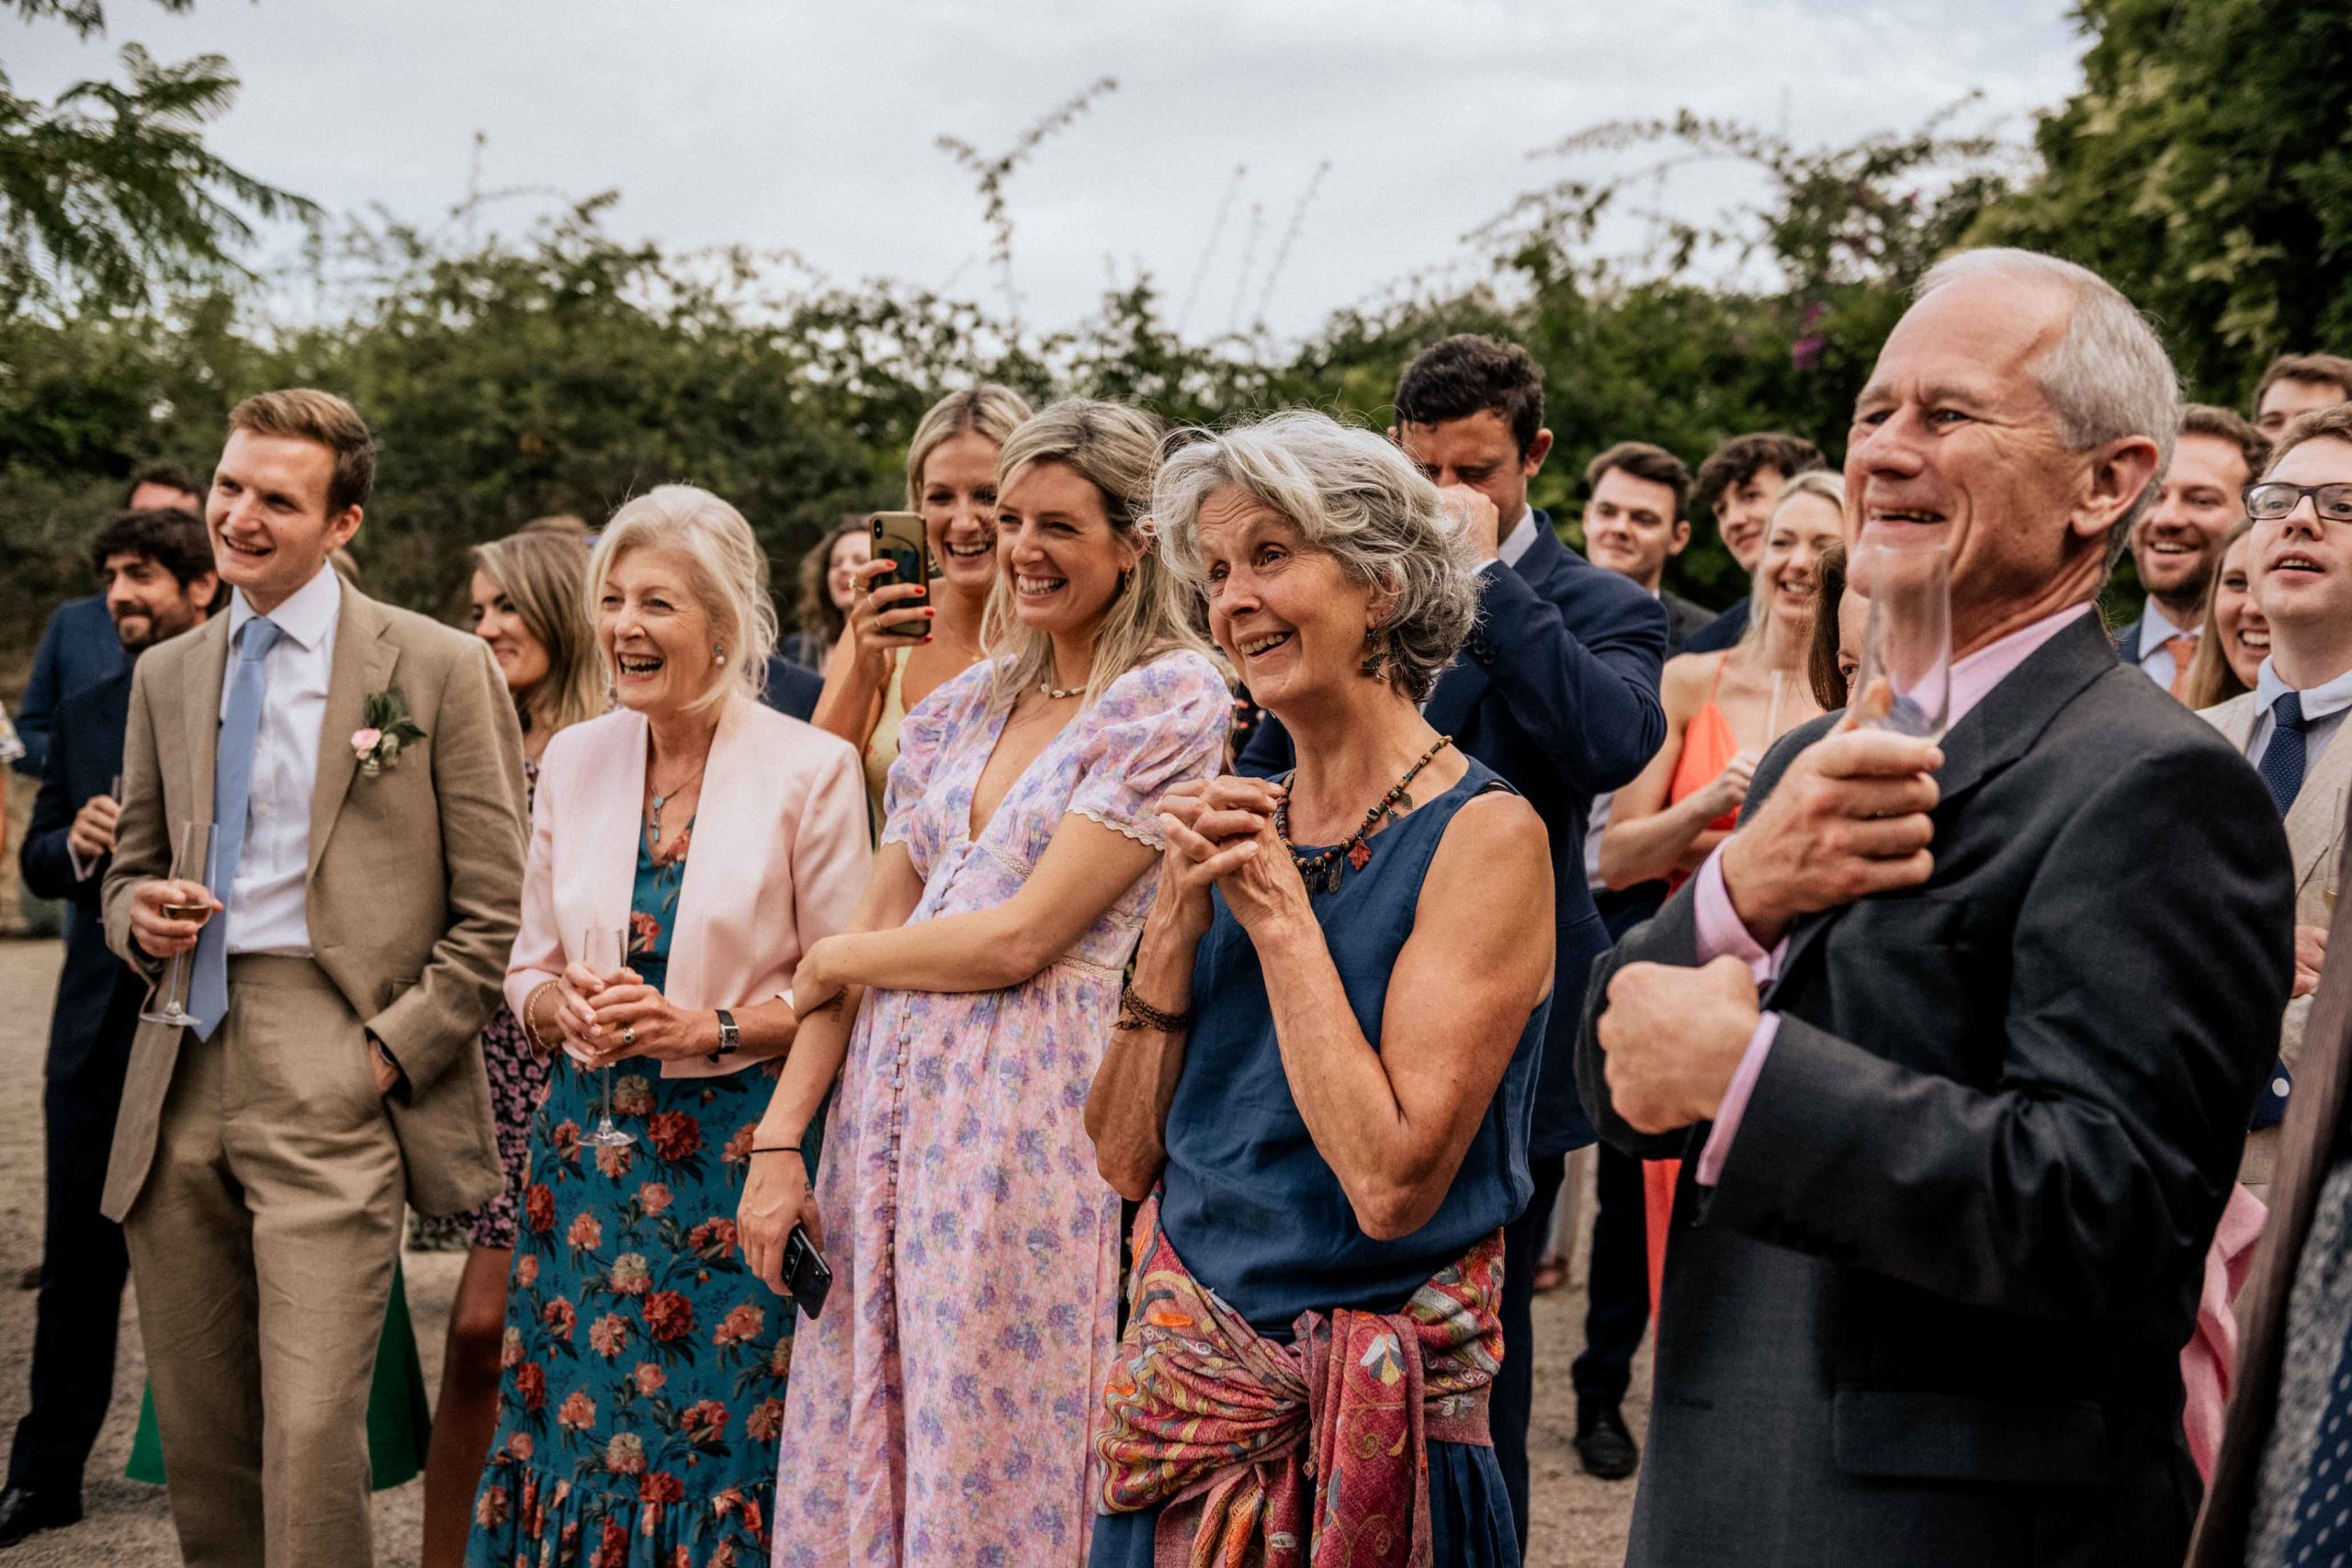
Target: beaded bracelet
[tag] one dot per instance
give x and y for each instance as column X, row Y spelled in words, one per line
column 531, row 1017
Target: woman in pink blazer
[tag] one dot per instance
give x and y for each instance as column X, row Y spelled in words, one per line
column 644, row 1365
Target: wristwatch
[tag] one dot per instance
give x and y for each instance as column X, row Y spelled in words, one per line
column 729, row 1037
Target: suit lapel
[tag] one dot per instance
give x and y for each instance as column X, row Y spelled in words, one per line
column 199, row 718
column 1465, row 682
column 364, row 656
column 2315, row 821
column 1999, row 731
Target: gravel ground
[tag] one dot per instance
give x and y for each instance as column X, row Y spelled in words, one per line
column 1579, row 1522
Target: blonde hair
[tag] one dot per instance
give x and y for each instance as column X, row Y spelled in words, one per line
column 543, row 572
column 729, row 568
column 1116, row 449
column 1823, row 483
column 990, row 409
column 309, row 414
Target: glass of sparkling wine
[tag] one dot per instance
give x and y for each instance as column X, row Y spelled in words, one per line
column 604, row 950
column 193, row 863
column 1905, row 682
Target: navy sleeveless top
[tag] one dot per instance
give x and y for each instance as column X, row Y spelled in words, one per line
column 1249, row 1202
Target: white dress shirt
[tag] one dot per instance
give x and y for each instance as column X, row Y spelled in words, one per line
column 1519, row 539
column 2324, row 708
column 2156, row 659
column 268, row 911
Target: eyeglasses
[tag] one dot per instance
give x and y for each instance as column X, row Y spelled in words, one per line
column 2274, row 498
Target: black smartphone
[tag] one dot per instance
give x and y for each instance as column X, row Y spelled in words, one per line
column 806, row 1273
column 901, row 538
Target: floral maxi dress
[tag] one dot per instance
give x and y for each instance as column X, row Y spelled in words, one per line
column 939, row 1409
column 645, row 1367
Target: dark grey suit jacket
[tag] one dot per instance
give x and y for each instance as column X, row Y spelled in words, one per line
column 1684, row 620
column 1932, row 1314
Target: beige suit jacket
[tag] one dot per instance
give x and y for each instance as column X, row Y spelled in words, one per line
column 415, row 875
column 2315, row 838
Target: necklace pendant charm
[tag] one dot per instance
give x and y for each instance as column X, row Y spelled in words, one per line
column 1331, row 878
column 1359, row 855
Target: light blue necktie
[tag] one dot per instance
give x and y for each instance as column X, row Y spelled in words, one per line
column 233, row 786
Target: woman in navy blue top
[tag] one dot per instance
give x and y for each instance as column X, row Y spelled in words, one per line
column 1322, row 1070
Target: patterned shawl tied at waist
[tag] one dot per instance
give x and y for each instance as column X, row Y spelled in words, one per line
column 1228, row 1431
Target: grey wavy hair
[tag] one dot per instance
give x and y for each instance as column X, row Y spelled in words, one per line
column 1353, row 496
column 2107, row 378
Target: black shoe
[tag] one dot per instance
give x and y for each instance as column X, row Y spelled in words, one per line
column 1606, row 1448
column 24, row 1512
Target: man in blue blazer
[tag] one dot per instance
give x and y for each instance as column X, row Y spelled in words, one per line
column 792, row 690
column 157, row 566
column 79, row 648
column 1558, row 692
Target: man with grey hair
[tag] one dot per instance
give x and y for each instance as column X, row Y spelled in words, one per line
column 1960, row 1070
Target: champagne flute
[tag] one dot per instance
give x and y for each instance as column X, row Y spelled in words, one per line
column 194, row 862
column 1905, row 682
column 602, row 949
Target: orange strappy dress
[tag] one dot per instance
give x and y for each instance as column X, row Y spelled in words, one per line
column 1708, row 747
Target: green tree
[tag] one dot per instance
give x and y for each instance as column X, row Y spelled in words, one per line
column 108, row 193
column 2205, row 168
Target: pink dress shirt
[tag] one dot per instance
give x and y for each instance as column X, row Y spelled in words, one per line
column 1720, row 931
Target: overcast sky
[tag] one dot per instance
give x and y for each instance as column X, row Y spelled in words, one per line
column 781, row 123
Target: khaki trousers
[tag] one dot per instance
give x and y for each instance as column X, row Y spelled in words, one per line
column 263, row 1245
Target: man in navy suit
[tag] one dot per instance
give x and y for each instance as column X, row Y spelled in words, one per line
column 792, row 690
column 1558, row 692
column 79, row 648
column 157, row 566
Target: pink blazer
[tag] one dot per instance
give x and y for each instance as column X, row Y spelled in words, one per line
column 779, row 858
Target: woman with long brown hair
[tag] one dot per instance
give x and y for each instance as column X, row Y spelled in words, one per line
column 828, row 591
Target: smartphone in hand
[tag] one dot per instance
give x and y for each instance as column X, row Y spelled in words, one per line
column 806, row 1273
column 901, row 538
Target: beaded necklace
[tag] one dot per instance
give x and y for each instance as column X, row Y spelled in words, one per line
column 1325, row 864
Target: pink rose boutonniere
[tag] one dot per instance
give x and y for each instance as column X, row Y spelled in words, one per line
column 386, row 726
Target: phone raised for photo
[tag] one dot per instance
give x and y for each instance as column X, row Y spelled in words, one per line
column 901, row 538
column 806, row 1273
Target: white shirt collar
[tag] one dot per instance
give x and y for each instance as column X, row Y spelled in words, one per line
column 2156, row 627
column 306, row 618
column 1520, row 540
column 2328, row 697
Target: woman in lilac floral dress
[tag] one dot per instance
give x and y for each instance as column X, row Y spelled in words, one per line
column 939, row 1408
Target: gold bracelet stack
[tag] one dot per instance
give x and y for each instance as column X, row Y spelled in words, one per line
column 1136, row 1013
column 531, row 1017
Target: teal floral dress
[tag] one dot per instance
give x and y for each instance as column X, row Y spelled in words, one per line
column 645, row 1367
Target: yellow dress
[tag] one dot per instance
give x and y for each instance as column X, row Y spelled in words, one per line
column 882, row 746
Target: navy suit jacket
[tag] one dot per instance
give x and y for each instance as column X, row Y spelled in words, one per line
column 2127, row 641
column 1558, row 692
column 98, row 994
column 1722, row 632
column 78, row 647
column 792, row 690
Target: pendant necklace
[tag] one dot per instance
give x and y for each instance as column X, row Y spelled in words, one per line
column 1325, row 864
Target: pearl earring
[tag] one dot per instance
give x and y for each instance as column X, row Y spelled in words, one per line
column 719, row 654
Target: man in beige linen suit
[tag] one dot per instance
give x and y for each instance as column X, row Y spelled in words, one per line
column 361, row 923
column 2299, row 568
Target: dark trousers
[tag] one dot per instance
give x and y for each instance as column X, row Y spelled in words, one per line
column 1618, row 1309
column 1513, row 1399
column 83, row 1265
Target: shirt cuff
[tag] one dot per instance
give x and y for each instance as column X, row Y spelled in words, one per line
column 73, row 858
column 1720, row 931
column 1735, row 1105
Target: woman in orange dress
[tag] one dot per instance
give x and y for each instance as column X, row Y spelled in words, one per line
column 1722, row 711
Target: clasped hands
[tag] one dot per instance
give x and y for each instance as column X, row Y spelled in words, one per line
column 607, row 1018
column 1848, row 818
column 1220, row 834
